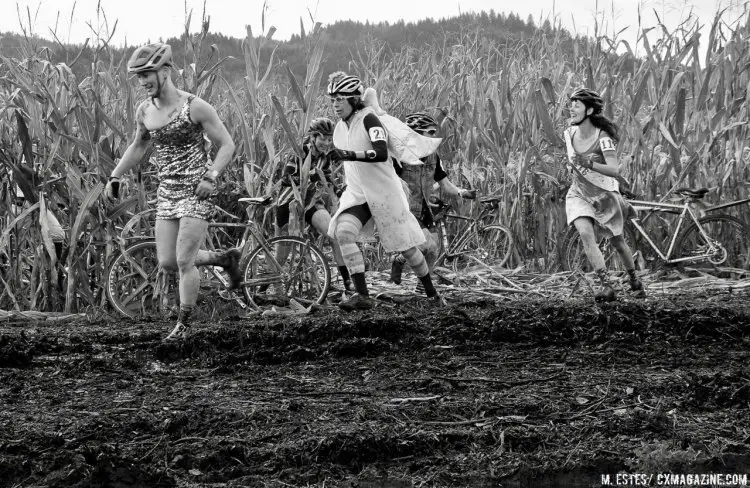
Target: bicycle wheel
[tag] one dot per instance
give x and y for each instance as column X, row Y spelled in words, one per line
column 727, row 231
column 490, row 245
column 136, row 285
column 573, row 257
column 304, row 274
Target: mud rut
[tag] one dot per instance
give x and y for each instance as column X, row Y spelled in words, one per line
column 523, row 393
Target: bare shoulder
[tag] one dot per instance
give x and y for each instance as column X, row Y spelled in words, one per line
column 201, row 110
column 141, row 110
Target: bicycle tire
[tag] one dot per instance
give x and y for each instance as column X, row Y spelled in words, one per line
column 133, row 281
column 573, row 257
column 306, row 276
column 728, row 230
column 490, row 245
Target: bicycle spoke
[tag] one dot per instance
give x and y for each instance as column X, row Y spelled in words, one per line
column 303, row 275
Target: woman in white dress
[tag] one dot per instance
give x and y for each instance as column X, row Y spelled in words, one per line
column 594, row 195
column 373, row 196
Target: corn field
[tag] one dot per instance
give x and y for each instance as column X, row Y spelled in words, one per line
column 683, row 122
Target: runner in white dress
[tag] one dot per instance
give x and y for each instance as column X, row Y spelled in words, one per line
column 373, row 196
column 594, row 196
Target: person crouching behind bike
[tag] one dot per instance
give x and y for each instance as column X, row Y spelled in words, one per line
column 373, row 194
column 317, row 145
column 176, row 121
column 594, row 194
column 420, row 180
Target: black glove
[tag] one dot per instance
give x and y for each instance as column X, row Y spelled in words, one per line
column 586, row 162
column 337, row 155
column 112, row 190
column 468, row 194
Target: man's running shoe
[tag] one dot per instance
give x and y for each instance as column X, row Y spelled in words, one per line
column 179, row 332
column 230, row 261
column 358, row 302
column 397, row 269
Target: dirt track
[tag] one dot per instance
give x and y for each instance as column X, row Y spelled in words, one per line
column 531, row 392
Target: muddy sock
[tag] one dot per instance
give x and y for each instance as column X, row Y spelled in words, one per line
column 429, row 288
column 631, row 275
column 344, row 272
column 360, row 284
column 185, row 316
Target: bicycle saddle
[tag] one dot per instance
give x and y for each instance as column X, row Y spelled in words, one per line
column 692, row 193
column 257, row 200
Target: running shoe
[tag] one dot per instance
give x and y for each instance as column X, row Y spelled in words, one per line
column 358, row 302
column 179, row 332
column 231, row 264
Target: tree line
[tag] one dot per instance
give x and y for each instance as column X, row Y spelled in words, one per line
column 343, row 39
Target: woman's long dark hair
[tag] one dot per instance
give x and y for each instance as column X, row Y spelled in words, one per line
column 601, row 122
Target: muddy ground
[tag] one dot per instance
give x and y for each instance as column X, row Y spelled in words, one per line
column 528, row 391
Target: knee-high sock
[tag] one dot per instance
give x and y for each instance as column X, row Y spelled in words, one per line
column 347, row 229
column 416, row 260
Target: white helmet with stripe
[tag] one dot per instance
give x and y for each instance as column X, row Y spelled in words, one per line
column 345, row 85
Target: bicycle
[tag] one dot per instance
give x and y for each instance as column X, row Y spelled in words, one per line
column 136, row 284
column 488, row 243
column 718, row 239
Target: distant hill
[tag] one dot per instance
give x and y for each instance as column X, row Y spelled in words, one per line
column 342, row 40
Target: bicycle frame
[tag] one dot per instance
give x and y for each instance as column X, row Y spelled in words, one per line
column 251, row 228
column 685, row 211
column 454, row 247
column 723, row 206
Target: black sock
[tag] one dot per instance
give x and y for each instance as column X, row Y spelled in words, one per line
column 429, row 288
column 360, row 284
column 631, row 274
column 185, row 315
column 344, row 272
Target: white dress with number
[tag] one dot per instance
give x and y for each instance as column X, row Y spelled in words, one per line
column 593, row 194
column 377, row 185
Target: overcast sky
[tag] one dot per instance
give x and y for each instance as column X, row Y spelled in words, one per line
column 141, row 20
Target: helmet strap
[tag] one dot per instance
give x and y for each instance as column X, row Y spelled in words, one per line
column 158, row 87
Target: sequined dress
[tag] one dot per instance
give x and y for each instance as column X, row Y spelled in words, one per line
column 182, row 160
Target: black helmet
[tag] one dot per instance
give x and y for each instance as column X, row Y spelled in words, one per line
column 420, row 121
column 590, row 98
column 322, row 126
